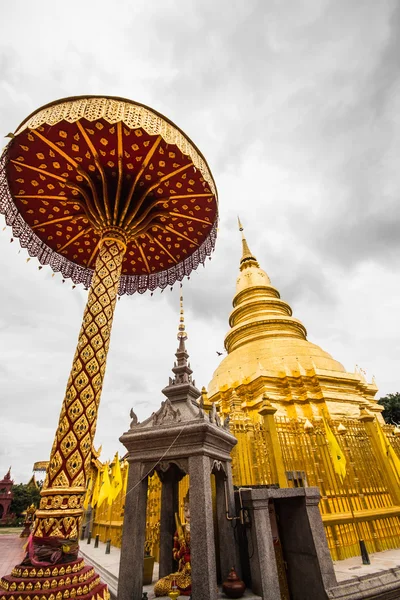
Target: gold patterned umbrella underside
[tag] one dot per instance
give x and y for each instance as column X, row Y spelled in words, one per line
column 80, row 167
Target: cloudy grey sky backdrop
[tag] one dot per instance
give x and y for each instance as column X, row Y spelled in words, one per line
column 296, row 106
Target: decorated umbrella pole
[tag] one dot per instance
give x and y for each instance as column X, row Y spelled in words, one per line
column 115, row 196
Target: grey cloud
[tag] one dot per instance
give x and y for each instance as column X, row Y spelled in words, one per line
column 385, row 77
column 208, row 294
column 306, row 282
column 296, row 110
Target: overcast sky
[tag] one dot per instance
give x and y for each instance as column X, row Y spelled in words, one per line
column 296, row 106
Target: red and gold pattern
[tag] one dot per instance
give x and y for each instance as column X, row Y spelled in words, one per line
column 62, row 582
column 79, row 167
column 107, row 183
column 60, row 509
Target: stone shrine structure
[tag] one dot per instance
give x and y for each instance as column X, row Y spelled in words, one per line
column 290, row 556
column 179, row 439
column 6, row 496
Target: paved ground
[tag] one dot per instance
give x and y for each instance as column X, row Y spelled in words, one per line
column 352, row 568
column 108, row 564
column 345, row 570
column 348, row 569
column 8, row 530
column 11, row 552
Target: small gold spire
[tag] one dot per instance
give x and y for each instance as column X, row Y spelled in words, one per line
column 204, row 396
column 247, row 256
column 308, row 426
column 266, row 400
column 182, row 335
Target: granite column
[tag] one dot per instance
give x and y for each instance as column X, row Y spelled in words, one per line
column 202, row 547
column 169, row 505
column 130, row 580
column 229, row 552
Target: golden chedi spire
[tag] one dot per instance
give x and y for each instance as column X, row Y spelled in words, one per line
column 263, row 331
column 248, row 258
column 258, row 310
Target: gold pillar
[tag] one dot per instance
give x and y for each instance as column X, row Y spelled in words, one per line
column 371, row 428
column 242, row 469
column 267, row 412
column 60, row 511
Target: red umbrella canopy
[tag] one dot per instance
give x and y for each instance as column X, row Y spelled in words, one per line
column 83, row 166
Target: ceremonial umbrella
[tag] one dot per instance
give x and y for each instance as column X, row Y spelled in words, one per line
column 116, row 197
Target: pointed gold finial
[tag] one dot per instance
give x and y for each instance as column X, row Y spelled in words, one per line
column 235, row 402
column 266, row 400
column 247, row 256
column 204, row 396
column 182, row 335
column 266, row 406
column 308, row 426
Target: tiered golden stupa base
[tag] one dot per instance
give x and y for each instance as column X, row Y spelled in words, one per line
column 68, row 580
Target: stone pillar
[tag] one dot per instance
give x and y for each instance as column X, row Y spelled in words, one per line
column 169, row 506
column 229, row 551
column 267, row 412
column 89, row 521
column 264, row 572
column 130, row 579
column 202, row 548
column 305, row 550
column 318, row 537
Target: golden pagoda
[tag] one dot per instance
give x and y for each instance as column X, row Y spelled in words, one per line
column 287, row 399
column 268, row 352
column 288, row 402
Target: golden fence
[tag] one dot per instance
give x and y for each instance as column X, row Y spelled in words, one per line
column 365, row 505
column 394, row 439
column 361, row 506
column 108, row 520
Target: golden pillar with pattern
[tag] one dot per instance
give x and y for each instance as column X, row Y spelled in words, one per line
column 267, row 413
column 242, row 469
column 64, row 488
column 388, row 474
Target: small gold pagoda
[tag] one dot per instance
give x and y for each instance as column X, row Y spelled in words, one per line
column 286, row 398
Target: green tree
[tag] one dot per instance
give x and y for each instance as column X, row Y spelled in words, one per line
column 24, row 496
column 391, row 407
